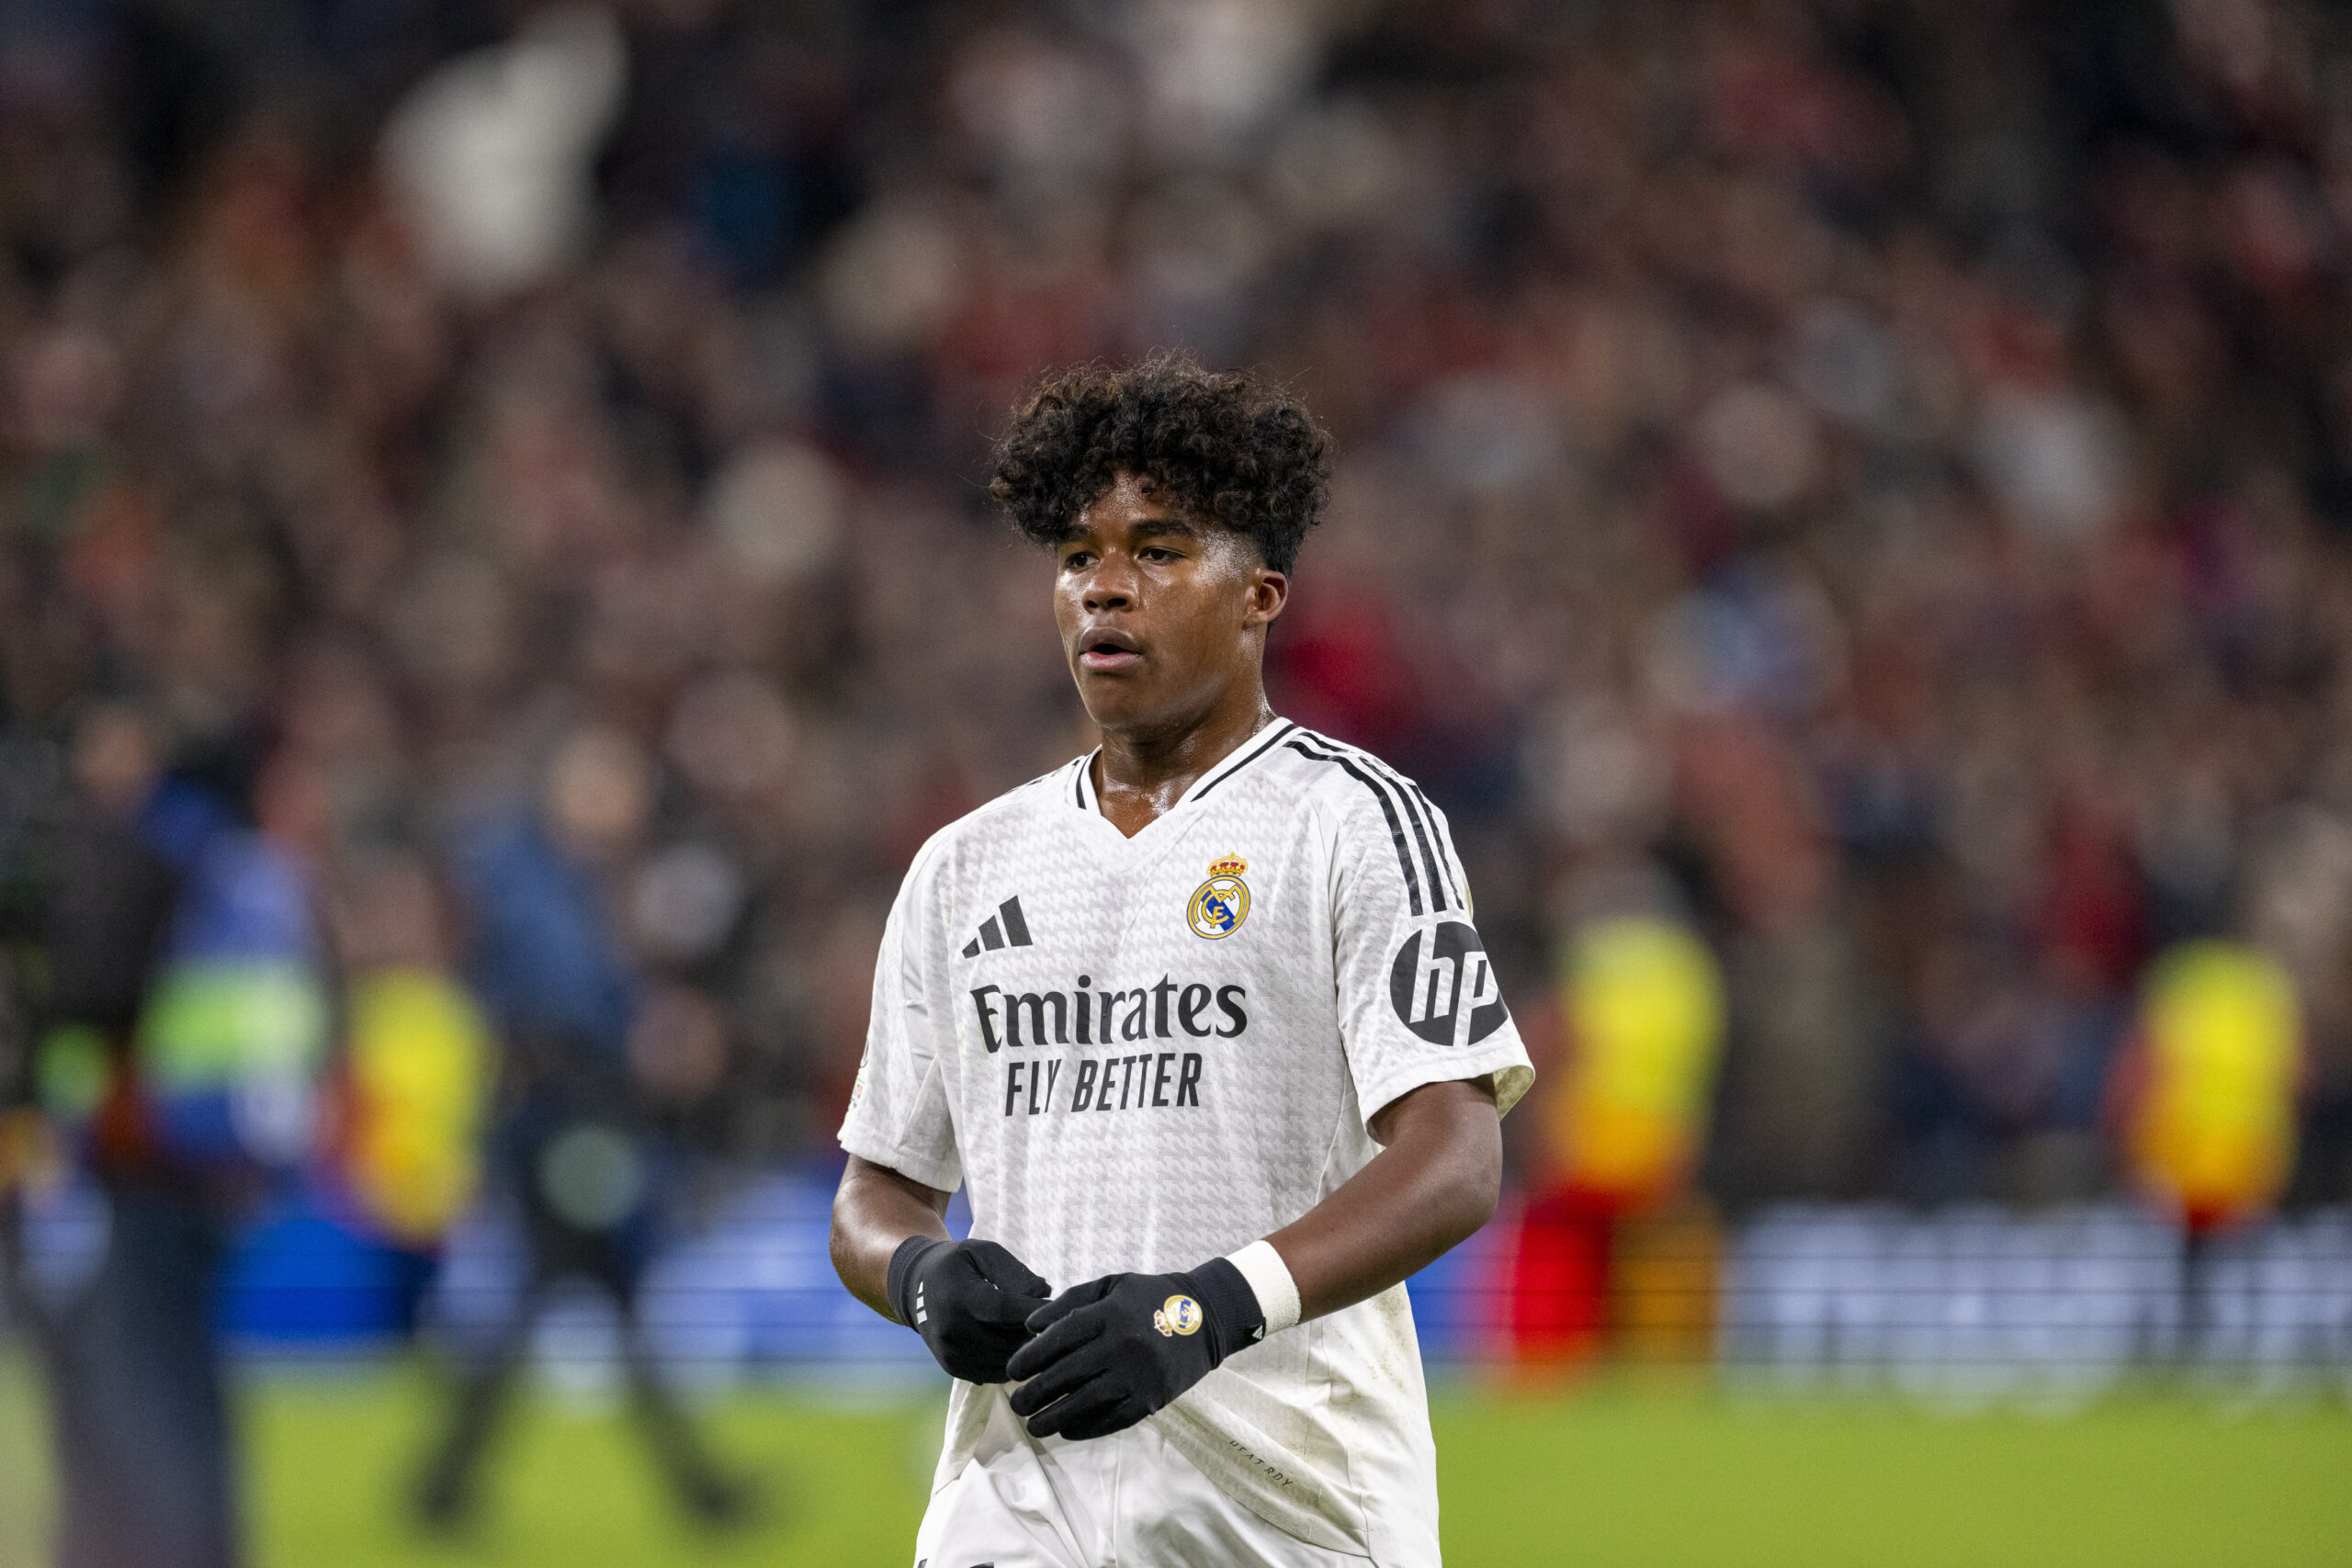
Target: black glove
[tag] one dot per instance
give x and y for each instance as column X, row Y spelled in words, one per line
column 969, row 1300
column 1110, row 1351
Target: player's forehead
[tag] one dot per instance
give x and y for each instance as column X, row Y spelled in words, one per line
column 1132, row 511
column 1132, row 505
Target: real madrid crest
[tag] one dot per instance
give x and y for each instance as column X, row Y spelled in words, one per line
column 1177, row 1314
column 1222, row 903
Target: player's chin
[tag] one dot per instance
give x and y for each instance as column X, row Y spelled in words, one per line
column 1114, row 698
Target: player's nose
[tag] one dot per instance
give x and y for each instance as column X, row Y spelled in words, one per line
column 1109, row 587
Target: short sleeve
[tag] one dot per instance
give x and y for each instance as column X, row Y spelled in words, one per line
column 899, row 1109
column 1419, row 999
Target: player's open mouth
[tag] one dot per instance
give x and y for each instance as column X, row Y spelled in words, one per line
column 1105, row 655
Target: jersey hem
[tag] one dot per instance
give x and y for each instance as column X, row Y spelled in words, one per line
column 944, row 1178
column 1511, row 1071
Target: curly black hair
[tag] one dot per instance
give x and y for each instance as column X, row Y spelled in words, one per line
column 1225, row 447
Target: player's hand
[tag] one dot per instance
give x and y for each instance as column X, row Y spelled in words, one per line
column 1110, row 1351
column 969, row 1300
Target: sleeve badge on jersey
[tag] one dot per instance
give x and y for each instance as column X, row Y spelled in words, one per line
column 1443, row 987
column 1222, row 903
column 1177, row 1314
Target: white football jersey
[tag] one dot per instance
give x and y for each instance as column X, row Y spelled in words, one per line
column 1141, row 1053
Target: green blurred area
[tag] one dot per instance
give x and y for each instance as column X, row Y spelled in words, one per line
column 22, row 1463
column 1617, row 1474
column 1643, row 1480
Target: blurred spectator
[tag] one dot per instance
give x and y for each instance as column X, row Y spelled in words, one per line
column 576, row 1149
column 2209, row 1095
column 1609, row 1239
column 183, row 1025
column 419, row 1057
column 493, row 149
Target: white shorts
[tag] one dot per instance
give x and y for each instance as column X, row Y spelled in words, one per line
column 1124, row 1501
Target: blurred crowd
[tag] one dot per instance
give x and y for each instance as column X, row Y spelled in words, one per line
column 1869, row 481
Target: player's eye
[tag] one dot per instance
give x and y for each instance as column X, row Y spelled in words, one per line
column 1075, row 559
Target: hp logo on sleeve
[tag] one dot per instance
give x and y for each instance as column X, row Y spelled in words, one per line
column 1443, row 987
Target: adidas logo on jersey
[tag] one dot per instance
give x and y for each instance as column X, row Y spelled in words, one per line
column 1013, row 933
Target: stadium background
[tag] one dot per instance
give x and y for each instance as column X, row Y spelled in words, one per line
column 1844, row 504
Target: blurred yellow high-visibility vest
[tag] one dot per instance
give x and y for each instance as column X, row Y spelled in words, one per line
column 1644, row 1003
column 2213, row 1128
column 420, row 1078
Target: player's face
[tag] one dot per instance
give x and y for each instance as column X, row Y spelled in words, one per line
column 1162, row 619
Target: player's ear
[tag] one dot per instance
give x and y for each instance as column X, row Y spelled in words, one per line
column 1269, row 591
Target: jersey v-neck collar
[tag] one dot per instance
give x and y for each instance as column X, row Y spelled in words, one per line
column 1086, row 798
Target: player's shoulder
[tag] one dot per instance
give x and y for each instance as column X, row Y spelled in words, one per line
column 1023, row 809
column 1346, row 782
column 1379, row 818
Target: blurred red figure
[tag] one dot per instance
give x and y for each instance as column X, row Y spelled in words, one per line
column 1642, row 1009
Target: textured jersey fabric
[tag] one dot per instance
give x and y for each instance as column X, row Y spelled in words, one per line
column 1140, row 1054
column 1059, row 1505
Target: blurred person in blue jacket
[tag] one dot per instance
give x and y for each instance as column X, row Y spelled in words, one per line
column 182, row 1028
column 573, row 1146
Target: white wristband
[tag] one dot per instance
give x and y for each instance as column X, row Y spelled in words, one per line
column 1269, row 1279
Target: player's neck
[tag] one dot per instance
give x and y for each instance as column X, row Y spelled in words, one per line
column 1140, row 774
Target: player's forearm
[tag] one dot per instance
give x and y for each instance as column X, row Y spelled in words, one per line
column 1430, row 1188
column 873, row 1211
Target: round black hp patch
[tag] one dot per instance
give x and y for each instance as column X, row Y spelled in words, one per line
column 1443, row 987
